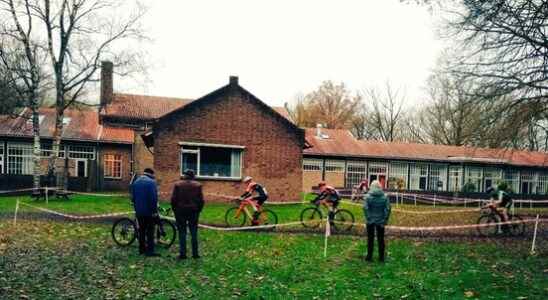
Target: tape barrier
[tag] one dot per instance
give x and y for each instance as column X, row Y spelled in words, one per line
column 76, row 217
column 425, row 212
column 449, row 227
column 219, row 228
column 17, row 191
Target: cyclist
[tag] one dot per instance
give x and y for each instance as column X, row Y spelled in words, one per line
column 261, row 196
column 331, row 195
column 501, row 200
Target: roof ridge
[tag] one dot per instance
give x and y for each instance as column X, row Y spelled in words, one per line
column 153, row 96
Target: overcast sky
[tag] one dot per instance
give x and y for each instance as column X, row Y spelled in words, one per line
column 283, row 47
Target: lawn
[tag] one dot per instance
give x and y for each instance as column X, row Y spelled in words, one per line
column 52, row 260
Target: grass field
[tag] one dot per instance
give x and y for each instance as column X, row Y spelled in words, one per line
column 51, row 260
column 69, row 260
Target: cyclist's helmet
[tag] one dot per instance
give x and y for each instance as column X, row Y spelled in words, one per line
column 248, row 179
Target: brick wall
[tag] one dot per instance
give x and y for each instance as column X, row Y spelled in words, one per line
column 311, row 179
column 273, row 150
column 111, row 183
column 334, row 179
column 142, row 156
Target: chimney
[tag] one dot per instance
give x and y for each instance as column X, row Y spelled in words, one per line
column 233, row 80
column 319, row 130
column 106, row 83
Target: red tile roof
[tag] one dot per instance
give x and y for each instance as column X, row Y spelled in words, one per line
column 342, row 143
column 146, row 108
column 141, row 107
column 83, row 125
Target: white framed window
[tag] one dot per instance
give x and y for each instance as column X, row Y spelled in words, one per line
column 437, row 180
column 455, row 179
column 81, row 152
column 397, row 176
column 212, row 161
column 418, row 176
column 511, row 177
column 356, row 171
column 334, row 166
column 312, row 164
column 378, row 171
column 491, row 177
column 528, row 182
column 542, row 186
column 19, row 159
column 474, row 180
column 81, row 167
column 112, row 166
column 1, row 157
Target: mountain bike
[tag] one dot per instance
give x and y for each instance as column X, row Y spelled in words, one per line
column 490, row 216
column 124, row 231
column 312, row 217
column 237, row 216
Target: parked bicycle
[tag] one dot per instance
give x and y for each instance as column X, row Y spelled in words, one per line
column 238, row 215
column 490, row 216
column 312, row 217
column 124, row 231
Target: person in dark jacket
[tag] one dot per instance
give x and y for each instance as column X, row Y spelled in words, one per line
column 376, row 209
column 187, row 201
column 144, row 195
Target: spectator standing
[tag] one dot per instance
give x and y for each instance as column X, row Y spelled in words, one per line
column 187, row 201
column 376, row 209
column 144, row 195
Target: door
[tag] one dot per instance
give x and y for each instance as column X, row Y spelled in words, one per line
column 81, row 168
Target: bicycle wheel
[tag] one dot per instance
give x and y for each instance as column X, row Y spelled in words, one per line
column 343, row 220
column 268, row 217
column 166, row 233
column 311, row 217
column 488, row 228
column 234, row 217
column 517, row 228
column 124, row 232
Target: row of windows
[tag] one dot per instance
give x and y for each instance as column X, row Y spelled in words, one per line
column 440, row 177
column 18, row 159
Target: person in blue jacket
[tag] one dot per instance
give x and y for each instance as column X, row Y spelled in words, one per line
column 377, row 211
column 144, row 194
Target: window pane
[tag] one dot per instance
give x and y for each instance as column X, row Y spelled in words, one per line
column 20, row 159
column 236, row 162
column 215, row 162
column 189, row 161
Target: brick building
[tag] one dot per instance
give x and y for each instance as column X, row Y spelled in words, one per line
column 336, row 156
column 224, row 136
column 229, row 134
column 97, row 157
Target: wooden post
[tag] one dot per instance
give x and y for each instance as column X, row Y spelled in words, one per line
column 534, row 236
column 15, row 214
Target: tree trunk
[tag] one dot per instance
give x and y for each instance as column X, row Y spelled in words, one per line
column 36, row 147
column 54, row 158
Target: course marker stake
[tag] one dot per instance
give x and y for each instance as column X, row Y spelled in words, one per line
column 534, row 236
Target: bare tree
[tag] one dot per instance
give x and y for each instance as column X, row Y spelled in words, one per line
column 20, row 58
column 385, row 119
column 79, row 34
column 331, row 105
column 504, row 48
